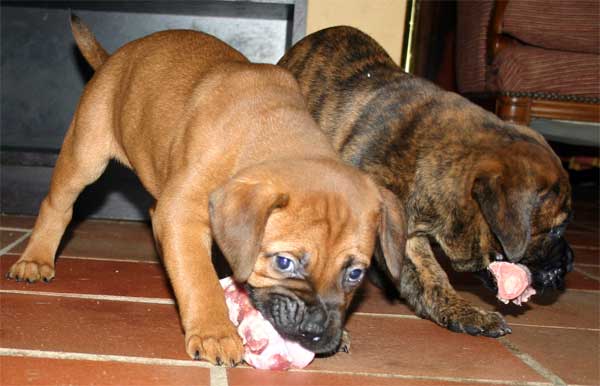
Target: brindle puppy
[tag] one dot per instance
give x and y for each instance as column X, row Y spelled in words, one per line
column 481, row 188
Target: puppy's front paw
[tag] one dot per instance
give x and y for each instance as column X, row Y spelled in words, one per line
column 474, row 321
column 218, row 347
column 31, row 271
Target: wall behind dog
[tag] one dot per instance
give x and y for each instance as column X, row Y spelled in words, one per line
column 382, row 19
column 42, row 75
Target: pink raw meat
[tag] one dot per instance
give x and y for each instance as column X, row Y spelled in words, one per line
column 513, row 280
column 265, row 348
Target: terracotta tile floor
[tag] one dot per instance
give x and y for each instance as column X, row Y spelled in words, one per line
column 109, row 319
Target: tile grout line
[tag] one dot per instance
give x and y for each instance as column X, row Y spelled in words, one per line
column 556, row 327
column 220, row 373
column 139, row 299
column 531, row 362
column 587, row 274
column 112, row 298
column 421, row 377
column 383, row 315
column 109, row 259
column 15, row 243
column 16, row 352
column 414, row 317
column 105, row 259
column 218, row 376
column 586, row 247
column 588, row 265
column 11, row 229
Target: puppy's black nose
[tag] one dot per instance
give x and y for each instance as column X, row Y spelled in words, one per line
column 314, row 323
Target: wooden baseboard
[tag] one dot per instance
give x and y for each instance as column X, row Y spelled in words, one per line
column 522, row 109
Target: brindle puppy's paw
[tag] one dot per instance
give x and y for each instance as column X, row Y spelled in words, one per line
column 475, row 321
column 31, row 271
column 224, row 348
column 345, row 343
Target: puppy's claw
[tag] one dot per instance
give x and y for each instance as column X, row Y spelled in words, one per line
column 30, row 271
column 345, row 342
column 453, row 326
column 473, row 330
column 197, row 356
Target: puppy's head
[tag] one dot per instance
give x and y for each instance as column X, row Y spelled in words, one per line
column 301, row 236
column 524, row 198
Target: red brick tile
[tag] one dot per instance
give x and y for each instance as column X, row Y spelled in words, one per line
column 586, row 218
column 41, row 371
column 420, row 348
column 103, row 277
column 572, row 309
column 593, row 271
column 91, row 326
column 109, row 240
column 577, row 280
column 371, row 299
column 586, row 255
column 570, row 354
column 379, row 345
column 583, row 226
column 587, row 238
column 12, row 221
column 251, row 377
column 9, row 236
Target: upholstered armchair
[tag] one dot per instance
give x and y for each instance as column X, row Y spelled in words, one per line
column 536, row 58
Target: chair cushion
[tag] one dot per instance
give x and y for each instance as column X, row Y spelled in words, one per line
column 532, row 69
column 555, row 24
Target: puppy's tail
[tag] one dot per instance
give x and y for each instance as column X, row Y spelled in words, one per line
column 91, row 50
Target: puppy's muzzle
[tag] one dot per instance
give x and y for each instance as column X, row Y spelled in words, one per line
column 546, row 271
column 294, row 316
column 551, row 271
column 317, row 327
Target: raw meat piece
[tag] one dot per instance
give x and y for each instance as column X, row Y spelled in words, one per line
column 265, row 348
column 513, row 280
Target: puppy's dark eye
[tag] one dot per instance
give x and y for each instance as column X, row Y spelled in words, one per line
column 355, row 275
column 284, row 263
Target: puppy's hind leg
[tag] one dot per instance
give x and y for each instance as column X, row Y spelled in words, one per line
column 82, row 159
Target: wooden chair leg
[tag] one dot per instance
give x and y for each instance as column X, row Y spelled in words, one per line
column 514, row 109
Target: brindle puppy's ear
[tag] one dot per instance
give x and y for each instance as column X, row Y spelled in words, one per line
column 392, row 235
column 238, row 215
column 506, row 211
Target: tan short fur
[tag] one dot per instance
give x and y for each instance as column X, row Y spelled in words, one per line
column 229, row 151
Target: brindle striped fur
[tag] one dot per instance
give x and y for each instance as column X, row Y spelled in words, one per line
column 470, row 182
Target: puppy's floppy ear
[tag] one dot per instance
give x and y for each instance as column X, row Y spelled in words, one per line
column 392, row 235
column 506, row 211
column 239, row 211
